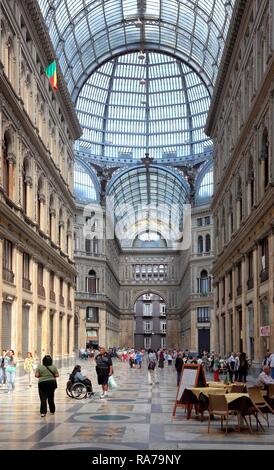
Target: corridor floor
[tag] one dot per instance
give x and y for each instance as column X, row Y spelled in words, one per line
column 136, row 416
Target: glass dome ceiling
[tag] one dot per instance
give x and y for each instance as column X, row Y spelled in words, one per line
column 148, row 199
column 155, row 104
column 87, row 33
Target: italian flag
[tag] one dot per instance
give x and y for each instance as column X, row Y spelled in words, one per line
column 51, row 72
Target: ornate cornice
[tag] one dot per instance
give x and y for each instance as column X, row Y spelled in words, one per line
column 259, row 104
column 33, row 11
column 245, row 235
column 237, row 16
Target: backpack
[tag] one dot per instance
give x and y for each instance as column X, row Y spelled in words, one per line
column 151, row 365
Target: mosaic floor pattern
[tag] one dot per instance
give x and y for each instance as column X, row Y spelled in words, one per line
column 135, row 416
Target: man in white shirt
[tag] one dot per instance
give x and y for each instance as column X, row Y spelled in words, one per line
column 264, row 377
column 271, row 365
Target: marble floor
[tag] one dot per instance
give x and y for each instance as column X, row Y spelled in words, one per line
column 136, row 416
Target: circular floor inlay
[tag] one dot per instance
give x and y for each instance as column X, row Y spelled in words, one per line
column 110, row 417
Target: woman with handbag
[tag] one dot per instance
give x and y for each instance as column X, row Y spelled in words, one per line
column 47, row 373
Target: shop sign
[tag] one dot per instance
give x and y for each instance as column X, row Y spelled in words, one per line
column 265, row 330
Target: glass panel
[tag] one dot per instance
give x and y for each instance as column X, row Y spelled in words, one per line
column 83, row 185
column 84, row 32
column 123, row 118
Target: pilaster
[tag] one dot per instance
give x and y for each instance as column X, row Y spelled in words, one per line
column 16, row 325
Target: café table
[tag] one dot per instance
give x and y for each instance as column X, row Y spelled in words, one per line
column 191, row 397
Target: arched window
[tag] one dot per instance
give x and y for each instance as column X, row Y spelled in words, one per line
column 208, row 243
column 231, row 218
column 88, row 245
column 223, row 230
column 24, row 185
column 265, row 157
column 5, row 169
column 68, row 238
column 200, row 244
column 95, row 245
column 40, row 201
column 251, row 186
column 10, row 60
column 239, row 201
column 3, row 42
column 52, row 214
column 91, row 282
column 60, row 229
column 203, row 285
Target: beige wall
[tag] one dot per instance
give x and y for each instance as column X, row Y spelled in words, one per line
column 241, row 114
column 39, row 129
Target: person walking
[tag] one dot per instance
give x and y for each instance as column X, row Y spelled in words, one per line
column 47, row 384
column 138, row 359
column 28, row 367
column 161, row 358
column 2, row 367
column 169, row 358
column 216, row 368
column 243, row 367
column 179, row 362
column 151, row 367
column 104, row 369
column 131, row 359
column 232, row 364
column 10, row 367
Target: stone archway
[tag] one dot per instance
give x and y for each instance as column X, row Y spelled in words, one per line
column 127, row 317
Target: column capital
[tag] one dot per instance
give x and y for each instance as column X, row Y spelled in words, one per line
column 29, row 181
column 19, row 246
column 11, row 158
column 52, row 212
column 42, row 198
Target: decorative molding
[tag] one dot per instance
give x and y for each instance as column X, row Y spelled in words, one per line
column 33, row 11
column 231, row 40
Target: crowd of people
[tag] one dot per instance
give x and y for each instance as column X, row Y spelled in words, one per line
column 235, row 367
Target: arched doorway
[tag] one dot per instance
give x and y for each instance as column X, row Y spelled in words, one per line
column 150, row 322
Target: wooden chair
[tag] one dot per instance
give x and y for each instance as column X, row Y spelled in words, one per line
column 218, row 406
column 260, row 403
column 270, row 391
column 251, row 411
column 237, row 388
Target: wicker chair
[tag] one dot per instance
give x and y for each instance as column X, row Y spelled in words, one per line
column 218, row 406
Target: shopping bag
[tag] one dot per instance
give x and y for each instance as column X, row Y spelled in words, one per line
column 111, row 383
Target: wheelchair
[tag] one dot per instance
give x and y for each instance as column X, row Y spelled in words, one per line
column 78, row 390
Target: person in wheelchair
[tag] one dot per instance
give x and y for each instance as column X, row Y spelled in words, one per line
column 77, row 376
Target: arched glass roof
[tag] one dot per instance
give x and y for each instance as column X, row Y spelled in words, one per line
column 87, row 33
column 84, row 187
column 148, row 240
column 132, row 106
column 148, row 199
column 204, row 184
